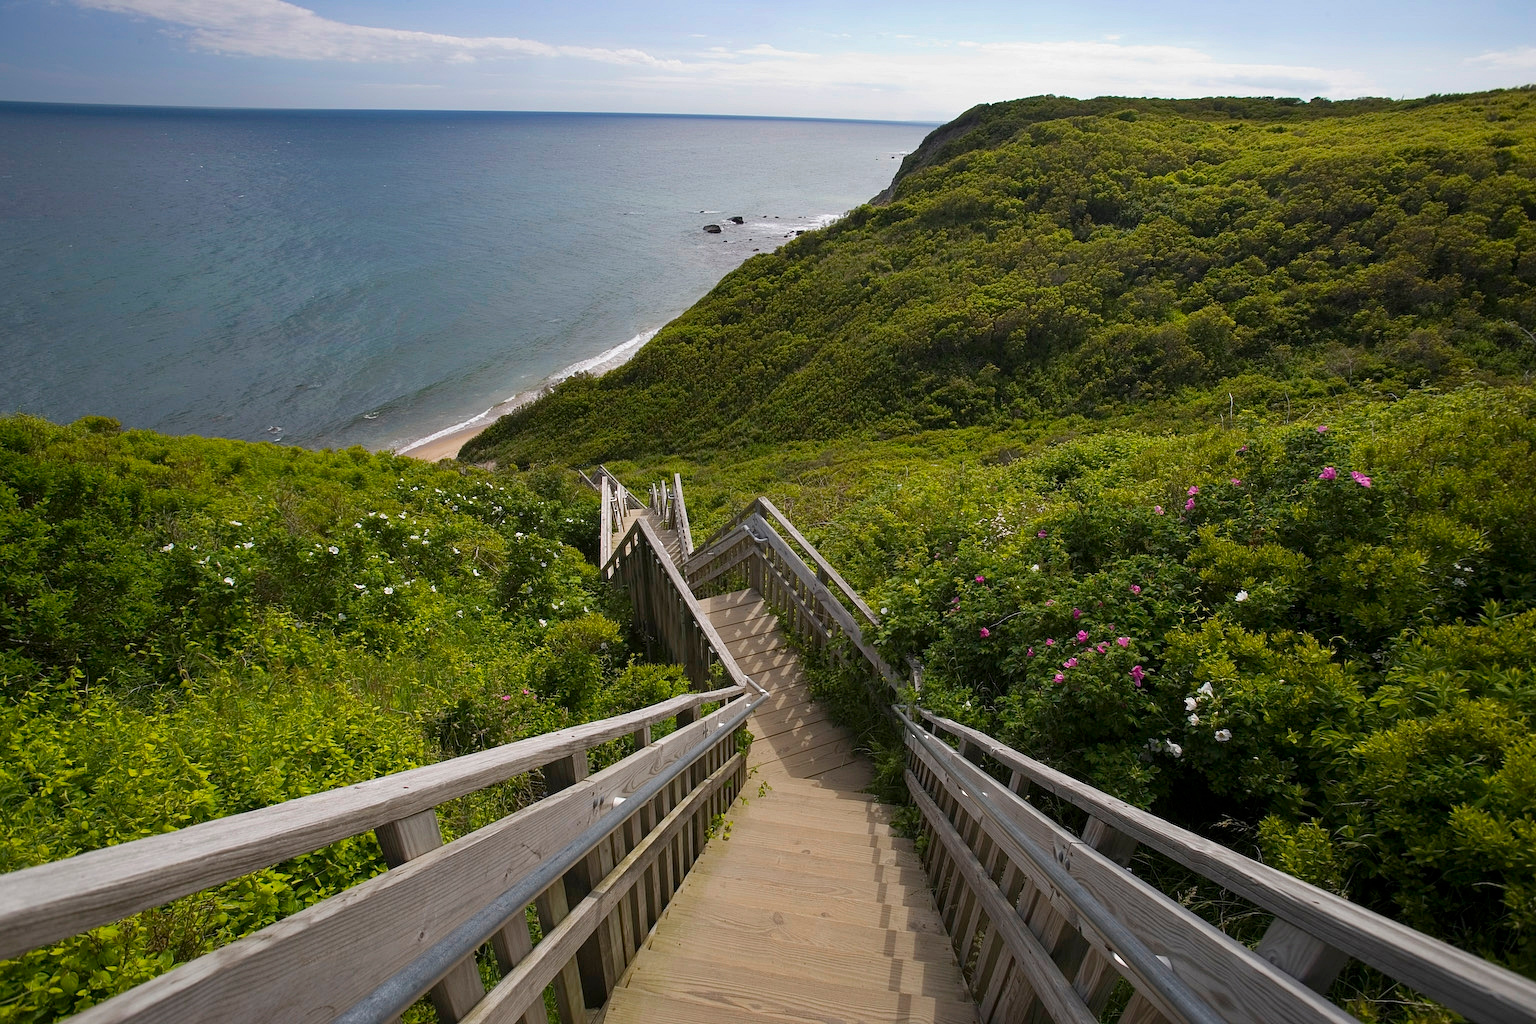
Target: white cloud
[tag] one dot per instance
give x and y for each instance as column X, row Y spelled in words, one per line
column 1522, row 58
column 926, row 79
column 273, row 28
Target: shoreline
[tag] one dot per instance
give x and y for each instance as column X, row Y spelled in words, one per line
column 445, row 443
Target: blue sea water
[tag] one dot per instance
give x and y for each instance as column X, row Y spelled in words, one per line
column 331, row 278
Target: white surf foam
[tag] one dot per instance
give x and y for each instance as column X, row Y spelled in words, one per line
column 598, row 364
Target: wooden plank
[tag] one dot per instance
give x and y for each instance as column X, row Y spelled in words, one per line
column 1468, row 984
column 1229, row 977
column 42, row 904
column 1047, row 982
column 401, row 842
column 570, row 1003
column 527, row 981
column 287, row 972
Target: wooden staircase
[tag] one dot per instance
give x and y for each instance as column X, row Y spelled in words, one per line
column 810, row 907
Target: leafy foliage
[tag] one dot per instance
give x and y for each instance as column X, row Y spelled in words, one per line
column 193, row 628
column 1054, row 257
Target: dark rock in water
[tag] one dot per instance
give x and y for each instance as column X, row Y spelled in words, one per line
column 713, row 229
column 799, row 233
column 737, row 220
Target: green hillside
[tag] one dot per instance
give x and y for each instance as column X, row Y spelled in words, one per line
column 1191, row 446
column 192, row 628
column 1062, row 257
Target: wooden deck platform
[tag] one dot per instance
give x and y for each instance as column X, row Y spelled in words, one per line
column 812, row 909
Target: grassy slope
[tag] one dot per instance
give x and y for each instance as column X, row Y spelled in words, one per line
column 1095, row 263
column 988, row 400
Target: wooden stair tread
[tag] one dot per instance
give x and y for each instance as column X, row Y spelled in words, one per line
column 636, row 1004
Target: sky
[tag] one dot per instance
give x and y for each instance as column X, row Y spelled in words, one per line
column 889, row 60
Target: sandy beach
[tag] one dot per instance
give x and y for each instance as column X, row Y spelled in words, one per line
column 446, row 447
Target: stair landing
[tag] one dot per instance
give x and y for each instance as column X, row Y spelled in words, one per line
column 812, row 908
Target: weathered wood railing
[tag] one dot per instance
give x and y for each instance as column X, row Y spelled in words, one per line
column 598, row 858
column 751, row 553
column 1047, row 923
column 995, row 892
column 616, row 502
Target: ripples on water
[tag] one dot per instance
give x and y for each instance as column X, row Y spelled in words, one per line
column 367, row 277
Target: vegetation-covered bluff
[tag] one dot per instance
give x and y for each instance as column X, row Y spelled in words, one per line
column 1192, row 447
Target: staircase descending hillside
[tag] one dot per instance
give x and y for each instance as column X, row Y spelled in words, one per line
column 810, row 907
column 734, row 869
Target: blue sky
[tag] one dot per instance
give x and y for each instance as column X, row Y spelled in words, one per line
column 891, row 60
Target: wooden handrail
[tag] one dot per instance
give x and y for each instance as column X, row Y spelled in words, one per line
column 1468, row 984
column 680, row 516
column 42, row 904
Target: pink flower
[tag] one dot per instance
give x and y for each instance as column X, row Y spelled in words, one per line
column 1102, row 648
column 1077, row 613
column 1050, row 601
column 980, row 578
column 1242, row 449
column 1189, row 505
column 1050, row 641
column 1323, row 429
column 1328, row 473
column 1138, row 674
column 1082, row 636
column 1123, row 641
column 1041, row 535
column 1360, row 478
column 985, row 632
column 1029, row 653
column 1236, row 482
column 506, row 696
column 1135, row 589
column 1158, row 509
column 1193, row 490
column 1069, row 663
column 1058, row 678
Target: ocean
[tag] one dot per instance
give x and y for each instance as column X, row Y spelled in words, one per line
column 330, row 278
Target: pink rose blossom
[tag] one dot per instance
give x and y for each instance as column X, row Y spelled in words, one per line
column 980, row 578
column 1189, row 505
column 1360, row 478
column 1193, row 490
column 1123, row 641
column 1323, row 429
column 1077, row 613
column 985, row 632
column 1236, row 482
column 1135, row 589
column 1041, row 535
column 1058, row 678
column 1029, row 653
column 1050, row 641
column 1103, row 648
column 1069, row 663
column 1328, row 473
column 1082, row 636
column 1138, row 674
column 1158, row 509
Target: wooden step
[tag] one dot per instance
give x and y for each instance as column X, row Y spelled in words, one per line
column 740, row 989
column 740, row 929
column 795, row 960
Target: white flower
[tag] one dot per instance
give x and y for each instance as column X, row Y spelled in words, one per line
column 341, row 616
column 882, row 611
column 333, row 549
column 1194, row 719
column 248, row 545
column 1175, row 749
column 169, row 547
column 475, row 571
column 357, row 526
column 1035, row 567
column 415, row 536
column 434, row 588
column 455, row 550
column 1222, row 735
column 389, row 590
column 460, row 613
column 229, row 581
column 235, row 522
column 1190, row 702
column 1242, row 595
column 1205, row 688
column 360, row 586
column 543, row 623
